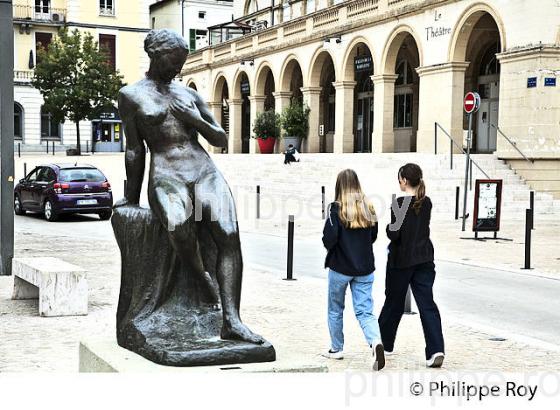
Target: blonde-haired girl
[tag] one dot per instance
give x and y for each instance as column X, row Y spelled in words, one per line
column 350, row 230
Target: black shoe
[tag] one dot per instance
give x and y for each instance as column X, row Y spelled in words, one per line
column 378, row 357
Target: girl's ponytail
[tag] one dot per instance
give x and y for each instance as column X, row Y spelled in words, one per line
column 420, row 195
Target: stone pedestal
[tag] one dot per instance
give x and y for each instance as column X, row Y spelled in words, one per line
column 105, row 356
column 164, row 313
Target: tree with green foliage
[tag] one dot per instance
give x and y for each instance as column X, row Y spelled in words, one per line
column 75, row 79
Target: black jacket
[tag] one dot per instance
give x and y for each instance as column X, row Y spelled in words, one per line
column 349, row 251
column 410, row 244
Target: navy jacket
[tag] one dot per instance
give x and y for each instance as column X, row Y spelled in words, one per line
column 349, row 251
column 410, row 244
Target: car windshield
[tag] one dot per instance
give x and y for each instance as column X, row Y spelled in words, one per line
column 81, row 175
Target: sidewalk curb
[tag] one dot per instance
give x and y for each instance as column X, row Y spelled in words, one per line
column 533, row 273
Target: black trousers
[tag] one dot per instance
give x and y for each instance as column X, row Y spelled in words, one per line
column 289, row 158
column 421, row 280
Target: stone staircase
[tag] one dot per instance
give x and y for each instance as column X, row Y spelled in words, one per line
column 296, row 188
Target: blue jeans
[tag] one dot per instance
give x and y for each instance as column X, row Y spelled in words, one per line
column 361, row 287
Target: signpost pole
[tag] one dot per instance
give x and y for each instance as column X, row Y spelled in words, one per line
column 469, row 136
column 6, row 137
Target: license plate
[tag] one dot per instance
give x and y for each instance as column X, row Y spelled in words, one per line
column 87, row 202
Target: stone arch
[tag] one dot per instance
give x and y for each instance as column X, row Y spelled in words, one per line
column 19, row 121
column 218, row 86
column 291, row 78
column 260, row 77
column 316, row 64
column 286, row 72
column 249, row 5
column 469, row 18
column 236, row 84
column 359, row 96
column 192, row 84
column 392, row 46
column 347, row 69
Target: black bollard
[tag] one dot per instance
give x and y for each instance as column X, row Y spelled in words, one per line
column 323, row 201
column 47, row 144
column 87, row 147
column 457, row 189
column 19, row 150
column 124, row 185
column 290, row 263
column 528, row 224
column 532, row 207
column 24, row 169
column 408, row 303
column 258, row 201
column 53, row 147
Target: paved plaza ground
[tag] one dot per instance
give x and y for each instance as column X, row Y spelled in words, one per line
column 482, row 295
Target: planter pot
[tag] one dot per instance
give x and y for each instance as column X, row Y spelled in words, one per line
column 295, row 141
column 266, row 146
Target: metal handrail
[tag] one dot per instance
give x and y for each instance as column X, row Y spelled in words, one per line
column 453, row 142
column 513, row 144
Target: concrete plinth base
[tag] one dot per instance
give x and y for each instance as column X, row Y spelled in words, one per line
column 108, row 357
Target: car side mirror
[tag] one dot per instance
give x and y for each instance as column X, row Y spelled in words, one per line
column 21, row 181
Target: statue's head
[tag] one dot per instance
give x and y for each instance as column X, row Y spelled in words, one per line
column 167, row 51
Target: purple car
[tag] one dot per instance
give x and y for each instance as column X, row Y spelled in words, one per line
column 56, row 189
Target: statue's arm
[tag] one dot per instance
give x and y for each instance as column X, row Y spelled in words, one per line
column 209, row 127
column 135, row 157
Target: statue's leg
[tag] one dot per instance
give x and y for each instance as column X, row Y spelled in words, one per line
column 218, row 215
column 172, row 204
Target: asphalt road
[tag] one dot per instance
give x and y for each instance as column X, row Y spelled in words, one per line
column 507, row 303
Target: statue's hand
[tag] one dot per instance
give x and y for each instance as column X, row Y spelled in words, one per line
column 186, row 111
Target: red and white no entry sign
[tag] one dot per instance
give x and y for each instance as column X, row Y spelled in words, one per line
column 472, row 102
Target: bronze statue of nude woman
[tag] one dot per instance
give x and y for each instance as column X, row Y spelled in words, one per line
column 168, row 117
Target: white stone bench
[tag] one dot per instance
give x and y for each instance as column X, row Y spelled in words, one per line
column 61, row 287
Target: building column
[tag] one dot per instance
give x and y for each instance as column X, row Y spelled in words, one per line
column 257, row 106
column 311, row 97
column 383, row 138
column 282, row 99
column 234, row 140
column 441, row 100
column 216, row 110
column 529, row 116
column 344, row 117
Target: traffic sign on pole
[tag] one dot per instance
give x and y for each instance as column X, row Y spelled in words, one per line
column 471, row 102
column 471, row 105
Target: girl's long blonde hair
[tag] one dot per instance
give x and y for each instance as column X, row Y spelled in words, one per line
column 355, row 210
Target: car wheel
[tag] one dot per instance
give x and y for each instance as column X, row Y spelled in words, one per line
column 105, row 215
column 49, row 212
column 18, row 210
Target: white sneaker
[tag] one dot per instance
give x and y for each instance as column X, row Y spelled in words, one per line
column 389, row 353
column 436, row 360
column 333, row 355
column 378, row 356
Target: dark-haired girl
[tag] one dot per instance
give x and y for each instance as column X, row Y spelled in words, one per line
column 411, row 263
